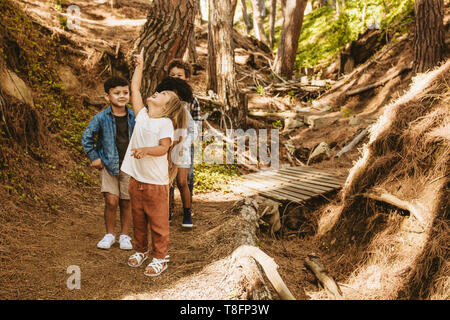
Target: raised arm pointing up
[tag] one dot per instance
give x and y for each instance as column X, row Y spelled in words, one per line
column 136, row 97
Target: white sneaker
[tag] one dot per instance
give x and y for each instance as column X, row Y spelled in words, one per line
column 107, row 241
column 125, row 242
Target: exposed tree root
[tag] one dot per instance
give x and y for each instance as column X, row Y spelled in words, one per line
column 313, row 262
column 416, row 210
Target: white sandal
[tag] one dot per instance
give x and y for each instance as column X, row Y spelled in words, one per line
column 158, row 266
column 140, row 258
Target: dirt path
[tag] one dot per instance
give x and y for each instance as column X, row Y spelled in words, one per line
column 70, row 240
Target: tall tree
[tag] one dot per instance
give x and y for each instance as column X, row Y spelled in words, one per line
column 258, row 21
column 233, row 9
column 245, row 16
column 288, row 42
column 272, row 18
column 221, row 68
column 164, row 37
column 191, row 53
column 429, row 40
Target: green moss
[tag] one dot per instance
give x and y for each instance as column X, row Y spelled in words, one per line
column 214, row 177
column 36, row 64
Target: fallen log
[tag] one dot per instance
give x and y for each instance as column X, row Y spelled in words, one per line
column 316, row 266
column 378, row 83
column 274, row 88
column 270, row 269
column 209, row 101
column 354, row 142
column 282, row 114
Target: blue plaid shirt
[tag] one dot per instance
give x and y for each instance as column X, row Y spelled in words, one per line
column 99, row 138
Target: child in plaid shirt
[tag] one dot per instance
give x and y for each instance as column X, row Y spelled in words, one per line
column 185, row 178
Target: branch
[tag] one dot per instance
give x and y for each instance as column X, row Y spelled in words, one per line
column 354, row 142
column 270, row 268
column 283, row 114
column 206, row 100
column 378, row 83
column 316, row 266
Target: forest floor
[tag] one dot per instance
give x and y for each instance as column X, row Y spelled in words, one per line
column 49, row 244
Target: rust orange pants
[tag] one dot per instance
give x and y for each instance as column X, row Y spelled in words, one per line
column 150, row 209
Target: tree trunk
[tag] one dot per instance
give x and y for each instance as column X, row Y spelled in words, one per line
column 233, row 10
column 262, row 8
column 203, row 6
column 288, row 43
column 190, row 54
column 429, row 41
column 273, row 16
column 197, row 13
column 164, row 37
column 221, row 68
column 114, row 4
column 364, row 17
column 245, row 16
column 258, row 22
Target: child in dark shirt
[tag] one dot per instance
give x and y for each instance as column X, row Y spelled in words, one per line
column 105, row 141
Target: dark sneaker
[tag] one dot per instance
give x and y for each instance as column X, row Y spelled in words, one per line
column 170, row 215
column 187, row 219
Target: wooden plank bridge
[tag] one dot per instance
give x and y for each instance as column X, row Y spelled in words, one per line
column 296, row 184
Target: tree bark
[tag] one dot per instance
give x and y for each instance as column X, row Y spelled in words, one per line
column 245, row 16
column 288, row 43
column 114, row 4
column 233, row 10
column 429, row 41
column 258, row 22
column 190, row 54
column 262, row 8
column 221, row 67
column 273, row 16
column 164, row 37
column 197, row 13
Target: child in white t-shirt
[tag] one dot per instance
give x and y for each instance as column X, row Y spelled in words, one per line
column 148, row 162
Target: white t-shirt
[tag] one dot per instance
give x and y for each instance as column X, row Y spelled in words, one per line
column 147, row 133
